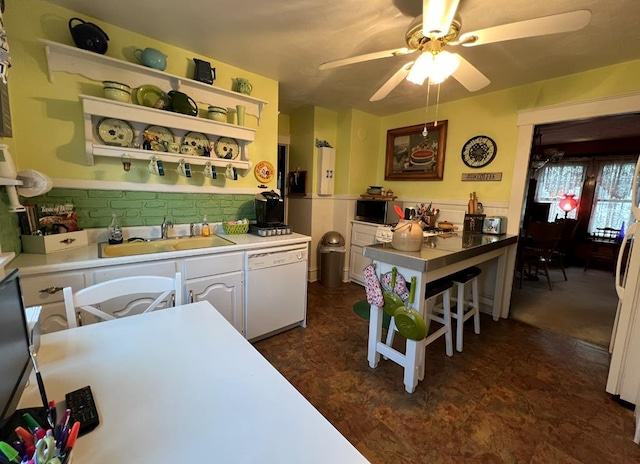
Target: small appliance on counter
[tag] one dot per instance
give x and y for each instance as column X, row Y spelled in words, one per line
column 494, row 225
column 269, row 209
column 473, row 223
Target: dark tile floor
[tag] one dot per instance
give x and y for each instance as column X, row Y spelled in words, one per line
column 516, row 394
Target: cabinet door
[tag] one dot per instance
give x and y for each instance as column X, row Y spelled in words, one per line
column 357, row 263
column 326, row 166
column 46, row 290
column 363, row 234
column 225, row 292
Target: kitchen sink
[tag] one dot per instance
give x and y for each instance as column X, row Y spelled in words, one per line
column 160, row 246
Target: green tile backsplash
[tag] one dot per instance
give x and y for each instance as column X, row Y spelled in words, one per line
column 94, row 208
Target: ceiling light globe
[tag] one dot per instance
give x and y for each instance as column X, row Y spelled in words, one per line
column 421, row 69
column 445, row 64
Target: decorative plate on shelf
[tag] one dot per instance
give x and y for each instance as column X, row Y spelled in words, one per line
column 151, row 96
column 160, row 137
column 115, row 132
column 197, row 141
column 226, row 148
column 264, row 171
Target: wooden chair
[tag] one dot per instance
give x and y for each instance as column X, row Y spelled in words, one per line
column 559, row 255
column 537, row 250
column 144, row 288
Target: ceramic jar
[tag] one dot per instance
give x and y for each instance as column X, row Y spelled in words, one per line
column 151, row 58
column 217, row 113
column 407, row 236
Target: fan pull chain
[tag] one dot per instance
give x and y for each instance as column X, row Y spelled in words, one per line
column 435, row 124
column 425, row 132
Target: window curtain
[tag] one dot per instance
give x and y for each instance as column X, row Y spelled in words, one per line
column 612, row 199
column 557, row 179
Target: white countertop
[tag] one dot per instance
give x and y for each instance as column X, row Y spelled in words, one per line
column 182, row 385
column 87, row 257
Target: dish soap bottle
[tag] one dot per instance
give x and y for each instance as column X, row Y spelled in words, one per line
column 115, row 232
column 205, row 232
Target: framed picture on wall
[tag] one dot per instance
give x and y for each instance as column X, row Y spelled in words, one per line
column 412, row 156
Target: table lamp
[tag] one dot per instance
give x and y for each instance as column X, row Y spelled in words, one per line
column 568, row 204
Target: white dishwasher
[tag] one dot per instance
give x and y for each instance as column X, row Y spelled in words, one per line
column 276, row 289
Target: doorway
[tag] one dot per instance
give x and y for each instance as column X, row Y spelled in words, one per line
column 281, row 171
column 584, row 306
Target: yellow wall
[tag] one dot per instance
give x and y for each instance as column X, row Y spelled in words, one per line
column 47, row 119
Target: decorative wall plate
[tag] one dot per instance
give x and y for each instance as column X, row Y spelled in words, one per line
column 226, row 148
column 161, row 137
column 115, row 132
column 151, row 96
column 264, row 171
column 197, row 141
column 479, row 151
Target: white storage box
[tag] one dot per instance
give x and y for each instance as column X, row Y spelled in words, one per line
column 45, row 244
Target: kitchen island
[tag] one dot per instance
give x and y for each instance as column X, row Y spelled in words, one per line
column 439, row 257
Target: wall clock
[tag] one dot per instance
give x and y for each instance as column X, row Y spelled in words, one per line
column 479, row 151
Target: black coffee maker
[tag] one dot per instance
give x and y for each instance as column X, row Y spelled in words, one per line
column 269, row 209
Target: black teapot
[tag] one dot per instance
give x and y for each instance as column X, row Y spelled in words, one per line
column 88, row 36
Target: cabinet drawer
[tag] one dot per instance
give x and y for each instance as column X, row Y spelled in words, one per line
column 363, row 235
column 162, row 269
column 212, row 265
column 47, row 288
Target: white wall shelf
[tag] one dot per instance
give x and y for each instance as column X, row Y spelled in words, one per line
column 103, row 68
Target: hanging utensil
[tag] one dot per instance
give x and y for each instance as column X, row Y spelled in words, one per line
column 392, row 300
column 408, row 321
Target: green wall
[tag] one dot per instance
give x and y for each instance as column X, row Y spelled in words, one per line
column 94, row 207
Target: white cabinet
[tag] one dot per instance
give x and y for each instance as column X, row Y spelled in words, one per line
column 46, row 290
column 100, row 68
column 218, row 279
column 326, row 166
column 361, row 236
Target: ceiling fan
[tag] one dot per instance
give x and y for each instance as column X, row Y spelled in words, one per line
column 440, row 26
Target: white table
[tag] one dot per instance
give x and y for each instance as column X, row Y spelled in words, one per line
column 182, row 385
column 439, row 257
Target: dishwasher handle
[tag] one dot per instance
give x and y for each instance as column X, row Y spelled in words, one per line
column 282, row 249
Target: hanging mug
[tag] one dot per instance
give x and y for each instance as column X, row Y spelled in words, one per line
column 241, row 85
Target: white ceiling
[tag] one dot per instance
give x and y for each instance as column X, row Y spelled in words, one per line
column 288, row 39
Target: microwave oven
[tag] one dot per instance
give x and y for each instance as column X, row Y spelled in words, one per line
column 377, row 211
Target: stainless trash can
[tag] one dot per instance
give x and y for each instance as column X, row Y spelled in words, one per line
column 332, row 250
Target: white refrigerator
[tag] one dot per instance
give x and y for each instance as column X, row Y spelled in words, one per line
column 624, row 371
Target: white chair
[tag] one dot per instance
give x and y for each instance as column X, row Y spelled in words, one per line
column 85, row 299
column 465, row 309
column 438, row 288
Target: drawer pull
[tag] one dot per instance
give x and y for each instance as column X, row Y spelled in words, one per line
column 190, row 296
column 51, row 290
column 68, row 241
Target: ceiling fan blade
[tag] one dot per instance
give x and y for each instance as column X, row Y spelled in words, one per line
column 437, row 16
column 392, row 83
column 469, row 76
column 367, row 57
column 563, row 22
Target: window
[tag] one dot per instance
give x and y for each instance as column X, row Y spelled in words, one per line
column 557, row 179
column 612, row 197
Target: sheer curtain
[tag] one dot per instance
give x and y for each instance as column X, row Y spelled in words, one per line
column 557, row 179
column 612, row 198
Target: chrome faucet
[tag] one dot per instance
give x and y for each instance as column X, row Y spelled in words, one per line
column 165, row 226
column 192, row 228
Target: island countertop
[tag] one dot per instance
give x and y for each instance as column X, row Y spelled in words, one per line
column 439, row 251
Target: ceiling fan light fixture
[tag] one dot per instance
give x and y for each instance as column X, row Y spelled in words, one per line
column 435, row 66
column 437, row 16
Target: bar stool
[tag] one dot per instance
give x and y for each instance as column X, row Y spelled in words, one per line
column 441, row 287
column 465, row 309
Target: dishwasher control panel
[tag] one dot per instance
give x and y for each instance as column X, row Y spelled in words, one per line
column 276, row 258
